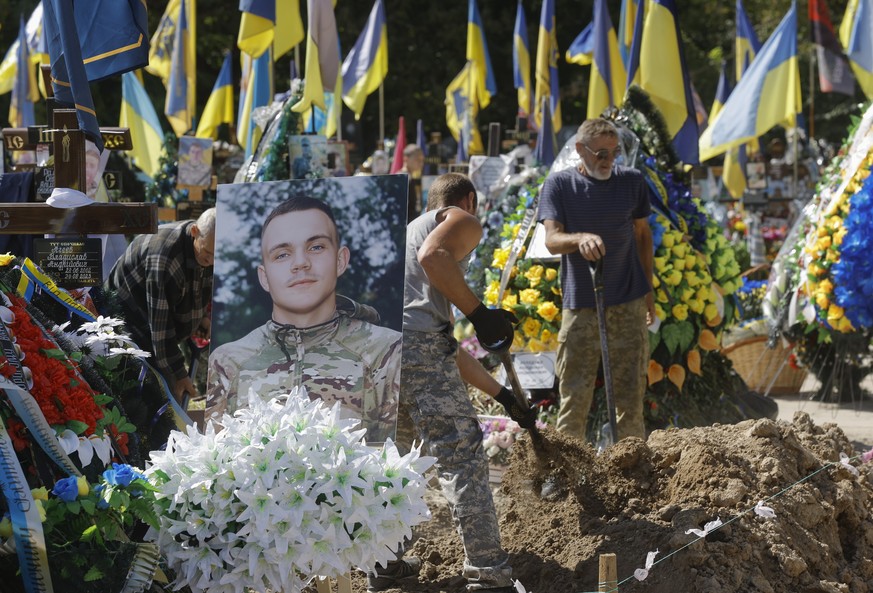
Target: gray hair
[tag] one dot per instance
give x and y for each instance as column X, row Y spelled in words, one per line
column 206, row 222
column 594, row 128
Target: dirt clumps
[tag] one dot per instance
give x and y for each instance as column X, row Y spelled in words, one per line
column 638, row 497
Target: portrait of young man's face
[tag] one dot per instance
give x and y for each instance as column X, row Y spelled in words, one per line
column 301, row 263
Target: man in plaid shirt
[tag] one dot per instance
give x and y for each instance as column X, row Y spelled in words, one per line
column 164, row 284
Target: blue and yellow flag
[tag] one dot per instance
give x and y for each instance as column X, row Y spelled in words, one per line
column 36, row 48
column 664, row 76
column 766, row 96
column 477, row 51
column 747, row 44
column 462, row 108
column 138, row 114
column 607, row 80
column 256, row 90
column 633, row 59
column 722, row 92
column 856, row 36
column 521, row 61
column 733, row 171
column 219, row 107
column 69, row 80
column 322, row 55
column 161, row 50
column 261, row 19
column 582, row 49
column 626, row 28
column 546, row 147
column 547, row 66
column 182, row 84
column 366, row 65
column 24, row 91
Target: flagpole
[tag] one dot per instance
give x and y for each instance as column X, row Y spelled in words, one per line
column 382, row 113
column 812, row 94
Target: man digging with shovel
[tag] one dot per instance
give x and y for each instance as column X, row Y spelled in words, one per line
column 598, row 212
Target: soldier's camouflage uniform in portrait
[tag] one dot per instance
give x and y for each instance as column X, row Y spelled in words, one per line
column 348, row 359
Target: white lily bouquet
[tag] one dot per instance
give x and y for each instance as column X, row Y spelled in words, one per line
column 286, row 491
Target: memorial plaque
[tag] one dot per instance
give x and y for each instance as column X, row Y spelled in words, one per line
column 73, row 263
column 535, row 370
column 44, row 182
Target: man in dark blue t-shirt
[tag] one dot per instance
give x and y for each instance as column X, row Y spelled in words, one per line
column 593, row 211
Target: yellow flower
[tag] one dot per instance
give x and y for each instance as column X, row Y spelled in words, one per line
column 680, row 249
column 531, row 327
column 659, row 312
column 492, row 292
column 40, row 509
column 547, row 310
column 835, row 313
column 822, row 300
column 844, row 325
column 517, row 341
column 529, row 296
column 692, row 279
column 515, row 230
column 535, row 345
column 656, row 282
column 826, row 286
column 535, row 275
column 696, row 306
column 39, row 493
column 82, row 483
column 661, row 296
column 680, row 312
column 546, row 335
column 6, row 259
column 710, row 312
column 499, row 258
column 510, row 300
column 660, row 263
column 668, row 240
column 551, row 274
column 687, row 294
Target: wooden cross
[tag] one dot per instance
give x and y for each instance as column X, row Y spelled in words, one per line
column 522, row 134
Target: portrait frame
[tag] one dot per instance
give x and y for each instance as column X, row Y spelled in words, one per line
column 195, row 163
column 756, row 175
column 307, row 156
column 337, row 159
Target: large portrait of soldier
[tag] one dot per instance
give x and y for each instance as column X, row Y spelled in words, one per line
column 309, row 295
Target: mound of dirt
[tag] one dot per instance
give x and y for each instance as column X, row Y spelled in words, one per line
column 641, row 496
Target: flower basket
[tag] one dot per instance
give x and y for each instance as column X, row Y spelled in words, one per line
column 758, row 364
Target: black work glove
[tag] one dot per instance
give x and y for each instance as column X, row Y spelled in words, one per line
column 493, row 327
column 525, row 418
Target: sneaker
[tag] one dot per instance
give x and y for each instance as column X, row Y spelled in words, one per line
column 384, row 578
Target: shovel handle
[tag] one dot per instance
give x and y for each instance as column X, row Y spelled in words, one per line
column 596, row 269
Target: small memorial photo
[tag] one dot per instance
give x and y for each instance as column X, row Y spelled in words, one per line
column 95, row 163
column 756, row 175
column 195, row 163
column 308, row 295
column 308, row 156
column 337, row 159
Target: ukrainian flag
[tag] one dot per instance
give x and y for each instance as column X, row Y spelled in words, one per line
column 161, row 46
column 626, row 28
column 856, row 34
column 256, row 90
column 521, row 61
column 547, row 65
column 181, row 86
column 722, row 92
column 664, row 77
column 747, row 44
column 322, row 55
column 261, row 18
column 606, row 84
column 733, row 171
column 24, row 91
column 139, row 115
column 36, row 47
column 582, row 49
column 462, row 109
column 767, row 95
column 366, row 65
column 219, row 107
column 477, row 51
column 633, row 59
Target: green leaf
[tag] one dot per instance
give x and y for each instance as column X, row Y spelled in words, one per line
column 55, row 353
column 89, row 533
column 93, row 574
column 671, row 336
column 88, row 506
column 74, row 507
column 686, row 335
column 654, row 340
column 76, row 426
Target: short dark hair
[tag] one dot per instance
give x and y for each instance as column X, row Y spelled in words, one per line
column 298, row 204
column 449, row 190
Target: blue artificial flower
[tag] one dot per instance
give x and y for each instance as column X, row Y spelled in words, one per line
column 67, row 489
column 852, row 274
column 121, row 474
column 98, row 490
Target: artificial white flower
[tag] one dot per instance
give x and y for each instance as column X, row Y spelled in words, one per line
column 130, row 351
column 287, row 491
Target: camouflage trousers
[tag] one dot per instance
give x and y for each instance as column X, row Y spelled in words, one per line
column 579, row 358
column 435, row 408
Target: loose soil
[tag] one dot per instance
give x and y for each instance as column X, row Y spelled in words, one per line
column 641, row 496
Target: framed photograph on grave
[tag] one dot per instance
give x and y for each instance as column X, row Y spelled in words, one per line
column 95, row 163
column 272, row 281
column 337, row 158
column 195, row 163
column 756, row 175
column 308, row 156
